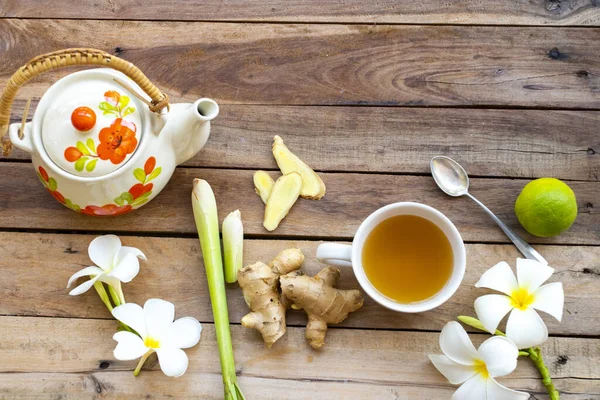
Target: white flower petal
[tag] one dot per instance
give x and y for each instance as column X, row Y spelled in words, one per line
column 491, row 309
column 500, row 277
column 550, row 299
column 126, row 269
column 456, row 345
column 159, row 315
column 131, row 250
column 454, row 372
column 473, row 389
column 496, row 391
column 173, row 362
column 129, row 346
column 526, row 328
column 103, row 249
column 87, row 271
column 84, row 287
column 133, row 316
column 531, row 274
column 185, row 333
column 499, row 355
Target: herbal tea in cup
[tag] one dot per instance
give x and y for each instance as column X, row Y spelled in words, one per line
column 407, row 256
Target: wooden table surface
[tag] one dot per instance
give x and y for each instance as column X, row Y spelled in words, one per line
column 366, row 93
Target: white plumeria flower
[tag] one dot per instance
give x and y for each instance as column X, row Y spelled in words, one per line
column 115, row 264
column 157, row 333
column 524, row 295
column 476, row 369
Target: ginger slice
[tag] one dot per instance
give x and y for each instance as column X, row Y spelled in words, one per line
column 260, row 286
column 323, row 303
column 263, row 185
column 283, row 196
column 312, row 185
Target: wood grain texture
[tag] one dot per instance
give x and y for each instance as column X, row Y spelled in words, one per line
column 120, row 385
column 333, row 64
column 175, row 272
column 378, row 357
column 350, row 198
column 507, row 143
column 485, row 12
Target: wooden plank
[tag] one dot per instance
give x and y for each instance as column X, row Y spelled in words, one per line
column 119, row 385
column 59, row 345
column 509, row 143
column 175, row 272
column 333, row 64
column 25, row 204
column 483, row 12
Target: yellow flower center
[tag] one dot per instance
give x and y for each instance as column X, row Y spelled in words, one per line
column 481, row 369
column 521, row 299
column 152, row 343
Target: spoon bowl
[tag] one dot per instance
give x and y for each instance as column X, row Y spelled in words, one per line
column 449, row 176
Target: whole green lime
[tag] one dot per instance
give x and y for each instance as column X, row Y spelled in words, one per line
column 546, row 207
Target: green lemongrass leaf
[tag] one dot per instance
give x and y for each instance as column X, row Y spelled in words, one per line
column 233, row 245
column 154, row 174
column 52, row 185
column 91, row 165
column 207, row 223
column 91, row 145
column 80, row 164
column 82, row 148
column 140, row 175
column 475, row 323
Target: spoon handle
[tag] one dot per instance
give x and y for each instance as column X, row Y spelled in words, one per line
column 524, row 247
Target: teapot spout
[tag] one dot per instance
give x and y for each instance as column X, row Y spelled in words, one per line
column 188, row 125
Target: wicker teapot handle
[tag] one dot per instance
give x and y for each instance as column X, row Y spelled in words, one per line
column 66, row 58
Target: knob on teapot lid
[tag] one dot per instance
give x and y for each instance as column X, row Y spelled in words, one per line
column 90, row 125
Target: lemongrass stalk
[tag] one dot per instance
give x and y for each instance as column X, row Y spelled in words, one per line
column 534, row 354
column 205, row 214
column 233, row 245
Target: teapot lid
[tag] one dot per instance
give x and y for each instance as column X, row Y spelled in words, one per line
column 92, row 125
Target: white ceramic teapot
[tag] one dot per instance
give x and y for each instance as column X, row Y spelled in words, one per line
column 98, row 145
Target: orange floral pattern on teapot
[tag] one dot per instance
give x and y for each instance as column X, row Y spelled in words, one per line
column 116, row 141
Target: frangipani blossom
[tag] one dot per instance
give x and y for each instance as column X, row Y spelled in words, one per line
column 476, row 369
column 157, row 333
column 523, row 295
column 115, row 264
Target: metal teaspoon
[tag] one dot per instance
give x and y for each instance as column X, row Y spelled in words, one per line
column 454, row 181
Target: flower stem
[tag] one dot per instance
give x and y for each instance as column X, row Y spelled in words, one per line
column 99, row 286
column 535, row 354
column 137, row 369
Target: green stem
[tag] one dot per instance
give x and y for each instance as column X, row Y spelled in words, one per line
column 535, row 354
column 118, row 298
column 205, row 215
column 137, row 369
column 99, row 286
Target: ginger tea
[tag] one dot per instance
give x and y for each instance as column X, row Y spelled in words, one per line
column 407, row 258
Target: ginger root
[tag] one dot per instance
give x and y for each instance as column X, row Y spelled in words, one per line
column 260, row 286
column 263, row 185
column 323, row 303
column 312, row 185
column 283, row 196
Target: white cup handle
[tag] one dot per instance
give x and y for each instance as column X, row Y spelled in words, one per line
column 336, row 254
column 25, row 144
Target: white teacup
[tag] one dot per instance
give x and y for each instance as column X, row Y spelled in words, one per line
column 343, row 255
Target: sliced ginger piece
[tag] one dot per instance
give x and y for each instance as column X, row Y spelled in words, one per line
column 286, row 191
column 260, row 286
column 323, row 303
column 312, row 185
column 263, row 185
